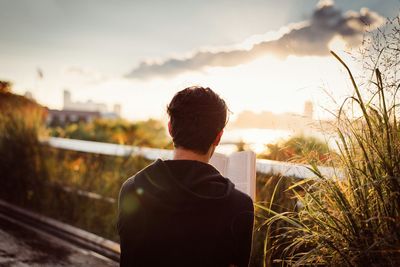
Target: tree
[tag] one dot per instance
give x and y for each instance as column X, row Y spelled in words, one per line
column 5, row 87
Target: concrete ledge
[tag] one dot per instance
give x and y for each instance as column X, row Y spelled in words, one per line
column 67, row 232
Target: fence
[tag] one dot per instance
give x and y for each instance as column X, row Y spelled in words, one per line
column 285, row 169
column 97, row 220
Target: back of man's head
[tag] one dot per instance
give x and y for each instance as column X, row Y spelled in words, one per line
column 197, row 116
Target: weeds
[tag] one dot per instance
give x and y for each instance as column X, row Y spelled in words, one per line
column 355, row 220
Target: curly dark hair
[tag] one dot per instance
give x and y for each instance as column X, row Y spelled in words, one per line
column 197, row 115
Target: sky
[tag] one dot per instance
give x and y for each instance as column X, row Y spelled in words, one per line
column 257, row 54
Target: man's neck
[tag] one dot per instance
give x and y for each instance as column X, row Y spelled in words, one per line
column 185, row 154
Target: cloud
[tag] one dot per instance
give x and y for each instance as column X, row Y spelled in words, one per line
column 308, row 38
column 86, row 75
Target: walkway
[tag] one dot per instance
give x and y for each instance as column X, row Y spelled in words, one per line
column 29, row 247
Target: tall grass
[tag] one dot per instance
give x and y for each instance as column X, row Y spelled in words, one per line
column 270, row 192
column 21, row 121
column 352, row 220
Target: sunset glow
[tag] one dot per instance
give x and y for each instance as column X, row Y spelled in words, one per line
column 261, row 84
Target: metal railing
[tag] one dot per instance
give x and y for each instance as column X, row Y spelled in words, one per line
column 272, row 167
column 99, row 244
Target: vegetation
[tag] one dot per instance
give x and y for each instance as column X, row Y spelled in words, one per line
column 21, row 121
column 53, row 182
column 150, row 133
column 271, row 192
column 90, row 181
column 299, row 149
column 353, row 220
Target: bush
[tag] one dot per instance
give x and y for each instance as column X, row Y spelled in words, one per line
column 298, row 149
column 149, row 133
column 21, row 121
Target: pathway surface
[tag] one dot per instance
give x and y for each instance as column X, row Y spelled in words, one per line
column 22, row 247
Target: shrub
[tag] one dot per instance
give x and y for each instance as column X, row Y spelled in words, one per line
column 299, row 149
column 21, row 121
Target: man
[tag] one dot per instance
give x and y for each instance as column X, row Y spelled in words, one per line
column 182, row 212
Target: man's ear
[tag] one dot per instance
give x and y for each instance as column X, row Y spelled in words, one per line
column 218, row 138
column 169, row 128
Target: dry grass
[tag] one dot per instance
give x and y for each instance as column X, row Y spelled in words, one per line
column 355, row 220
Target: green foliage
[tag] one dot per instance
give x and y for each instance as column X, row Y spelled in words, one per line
column 47, row 180
column 299, row 149
column 70, row 171
column 150, row 133
column 5, row 87
column 101, row 174
column 21, row 121
column 270, row 192
column 352, row 220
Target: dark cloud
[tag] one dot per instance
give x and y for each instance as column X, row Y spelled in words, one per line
column 309, row 38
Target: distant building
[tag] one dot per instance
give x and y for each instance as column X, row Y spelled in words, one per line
column 117, row 109
column 109, row 115
column 83, row 106
column 64, row 117
column 308, row 110
column 74, row 111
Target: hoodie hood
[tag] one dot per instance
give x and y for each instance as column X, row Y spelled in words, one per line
column 179, row 183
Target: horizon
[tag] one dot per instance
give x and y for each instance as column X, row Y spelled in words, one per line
column 242, row 58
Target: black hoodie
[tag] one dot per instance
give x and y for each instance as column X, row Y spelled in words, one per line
column 183, row 213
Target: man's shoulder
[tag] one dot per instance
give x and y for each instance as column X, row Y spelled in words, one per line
column 128, row 185
column 242, row 200
column 132, row 181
